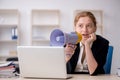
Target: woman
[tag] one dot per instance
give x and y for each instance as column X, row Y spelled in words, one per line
column 88, row 56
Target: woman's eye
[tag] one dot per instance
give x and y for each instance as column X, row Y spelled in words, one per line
column 89, row 26
column 80, row 26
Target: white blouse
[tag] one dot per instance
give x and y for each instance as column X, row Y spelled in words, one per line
column 81, row 67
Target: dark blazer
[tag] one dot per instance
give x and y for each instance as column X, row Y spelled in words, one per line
column 99, row 49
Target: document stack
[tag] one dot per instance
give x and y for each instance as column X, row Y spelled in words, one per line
column 7, row 70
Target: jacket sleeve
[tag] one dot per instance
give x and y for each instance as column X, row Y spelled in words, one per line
column 68, row 68
column 100, row 55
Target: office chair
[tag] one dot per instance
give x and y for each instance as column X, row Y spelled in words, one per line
column 107, row 66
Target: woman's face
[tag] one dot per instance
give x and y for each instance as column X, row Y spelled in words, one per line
column 85, row 27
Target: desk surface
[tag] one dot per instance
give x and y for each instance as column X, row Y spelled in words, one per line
column 76, row 77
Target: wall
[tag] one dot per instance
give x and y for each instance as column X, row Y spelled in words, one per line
column 111, row 9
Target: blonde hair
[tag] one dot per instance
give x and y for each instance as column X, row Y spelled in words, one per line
column 84, row 14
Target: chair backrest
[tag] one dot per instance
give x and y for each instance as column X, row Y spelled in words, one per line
column 107, row 66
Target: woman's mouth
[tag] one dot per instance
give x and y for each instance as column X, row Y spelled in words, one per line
column 85, row 35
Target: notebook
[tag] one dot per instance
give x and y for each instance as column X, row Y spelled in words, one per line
column 42, row 62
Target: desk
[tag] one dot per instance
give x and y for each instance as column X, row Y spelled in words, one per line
column 78, row 77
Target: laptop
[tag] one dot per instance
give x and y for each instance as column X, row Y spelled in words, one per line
column 42, row 62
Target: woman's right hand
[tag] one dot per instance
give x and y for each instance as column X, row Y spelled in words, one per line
column 69, row 50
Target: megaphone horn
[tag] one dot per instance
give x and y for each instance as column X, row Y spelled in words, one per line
column 58, row 38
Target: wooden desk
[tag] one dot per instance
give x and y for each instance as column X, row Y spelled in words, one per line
column 77, row 77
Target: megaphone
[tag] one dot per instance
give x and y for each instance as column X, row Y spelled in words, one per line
column 59, row 38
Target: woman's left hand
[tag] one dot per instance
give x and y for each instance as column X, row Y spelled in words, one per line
column 91, row 38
